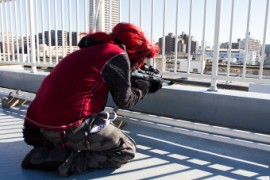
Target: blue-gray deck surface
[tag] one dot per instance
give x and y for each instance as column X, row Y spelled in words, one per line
column 160, row 155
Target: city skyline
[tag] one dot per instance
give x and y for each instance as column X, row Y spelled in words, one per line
column 240, row 14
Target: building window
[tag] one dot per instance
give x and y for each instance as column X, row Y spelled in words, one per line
column 195, row 70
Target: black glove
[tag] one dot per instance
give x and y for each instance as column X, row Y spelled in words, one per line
column 155, row 85
column 141, row 84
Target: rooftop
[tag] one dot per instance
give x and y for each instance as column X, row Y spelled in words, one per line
column 160, row 155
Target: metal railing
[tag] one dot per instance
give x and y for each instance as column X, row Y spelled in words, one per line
column 41, row 32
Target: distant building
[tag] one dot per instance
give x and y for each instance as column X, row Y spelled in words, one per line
column 267, row 49
column 62, row 37
column 251, row 57
column 7, row 43
column 235, row 45
column 169, row 43
column 104, row 14
column 237, row 56
column 196, row 66
column 182, row 44
column 253, row 45
column 194, row 44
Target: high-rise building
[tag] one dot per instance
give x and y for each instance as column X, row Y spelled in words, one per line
column 108, row 14
column 194, row 43
column 169, row 43
column 253, row 45
column 60, row 37
column 182, row 44
column 235, row 45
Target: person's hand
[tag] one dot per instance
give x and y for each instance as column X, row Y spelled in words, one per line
column 155, row 85
column 141, row 84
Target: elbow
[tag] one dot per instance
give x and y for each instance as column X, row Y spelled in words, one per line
column 125, row 102
column 123, row 105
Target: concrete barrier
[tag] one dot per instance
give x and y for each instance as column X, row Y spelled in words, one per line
column 234, row 109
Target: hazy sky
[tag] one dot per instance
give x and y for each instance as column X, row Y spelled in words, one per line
column 256, row 27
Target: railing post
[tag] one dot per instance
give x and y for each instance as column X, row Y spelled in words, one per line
column 32, row 36
column 130, row 10
column 176, row 36
column 189, row 37
column 230, row 42
column 263, row 45
column 150, row 61
column 216, row 49
column 163, row 38
column 246, row 42
column 203, row 39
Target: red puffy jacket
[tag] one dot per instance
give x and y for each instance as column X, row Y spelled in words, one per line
column 73, row 90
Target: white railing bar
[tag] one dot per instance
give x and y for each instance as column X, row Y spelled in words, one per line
column 56, row 32
column 7, row 35
column 216, row 48
column 2, row 35
column 141, row 7
column 130, row 10
column 42, row 33
column 120, row 7
column 16, row 29
column 12, row 19
column 85, row 16
column 240, row 79
column 11, row 29
column 176, row 36
column 27, row 32
column 150, row 61
column 49, row 32
column 230, row 41
column 152, row 19
column 77, row 20
column 94, row 18
column 3, row 28
column 246, row 42
column 203, row 36
column 37, row 35
column 163, row 37
column 264, row 37
column 95, row 14
column 189, row 38
column 196, row 126
column 30, row 64
column 193, row 133
column 219, row 77
column 70, row 33
column 62, row 18
column 21, row 31
column 32, row 33
column 110, row 14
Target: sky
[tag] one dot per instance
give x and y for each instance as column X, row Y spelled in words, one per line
column 256, row 26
